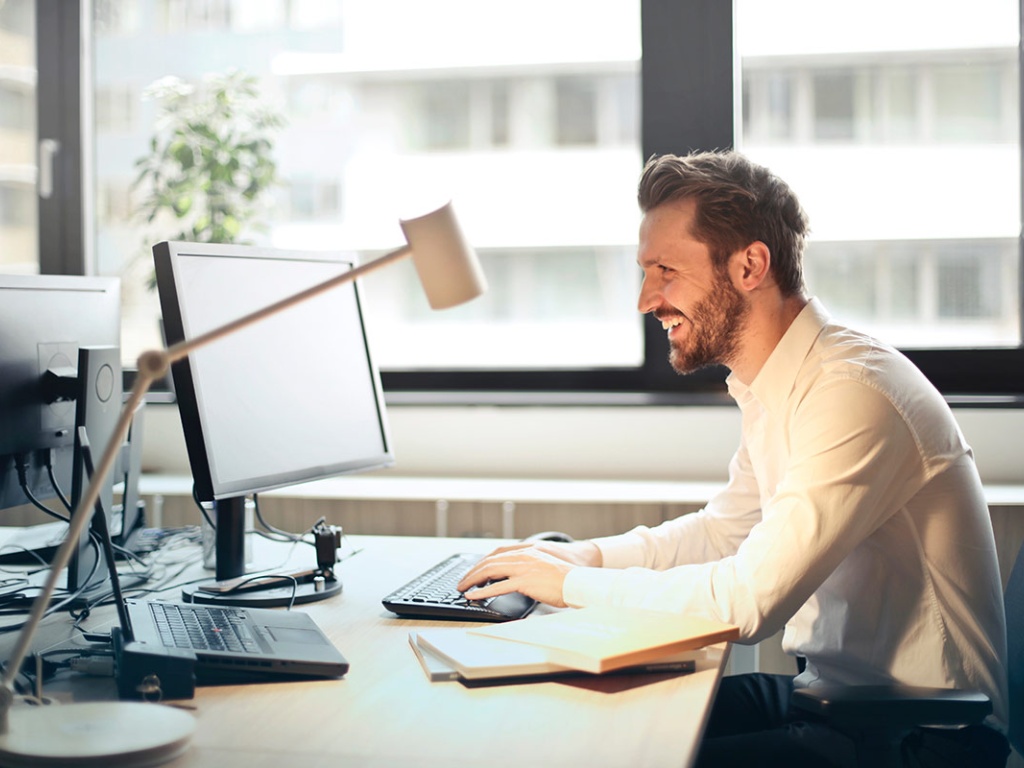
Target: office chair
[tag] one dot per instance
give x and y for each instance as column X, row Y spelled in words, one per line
column 880, row 716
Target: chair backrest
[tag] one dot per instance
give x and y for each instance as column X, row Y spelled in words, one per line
column 1014, row 601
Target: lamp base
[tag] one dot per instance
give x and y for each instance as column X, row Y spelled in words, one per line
column 117, row 734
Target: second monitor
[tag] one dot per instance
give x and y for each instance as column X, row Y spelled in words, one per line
column 293, row 398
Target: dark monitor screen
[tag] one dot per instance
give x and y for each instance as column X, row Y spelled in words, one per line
column 293, row 398
column 45, row 322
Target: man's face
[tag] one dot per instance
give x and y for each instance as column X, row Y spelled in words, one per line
column 700, row 308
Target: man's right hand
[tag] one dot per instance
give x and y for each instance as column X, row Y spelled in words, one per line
column 536, row 569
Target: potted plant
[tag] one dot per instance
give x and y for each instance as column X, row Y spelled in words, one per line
column 210, row 163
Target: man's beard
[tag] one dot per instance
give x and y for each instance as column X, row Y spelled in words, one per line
column 716, row 326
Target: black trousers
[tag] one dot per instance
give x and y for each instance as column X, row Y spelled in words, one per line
column 751, row 725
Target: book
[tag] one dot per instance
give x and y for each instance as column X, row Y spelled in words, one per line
column 434, row 667
column 457, row 654
column 475, row 657
column 600, row 639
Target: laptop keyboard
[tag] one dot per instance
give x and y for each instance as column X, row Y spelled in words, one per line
column 432, row 595
column 205, row 628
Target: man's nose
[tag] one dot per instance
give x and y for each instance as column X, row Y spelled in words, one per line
column 648, row 300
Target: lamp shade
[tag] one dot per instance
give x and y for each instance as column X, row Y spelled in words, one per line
column 447, row 265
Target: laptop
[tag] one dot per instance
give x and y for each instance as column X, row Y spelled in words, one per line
column 162, row 649
column 223, row 644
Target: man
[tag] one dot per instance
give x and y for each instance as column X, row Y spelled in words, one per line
column 853, row 517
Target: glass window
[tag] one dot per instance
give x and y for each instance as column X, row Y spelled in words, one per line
column 898, row 94
column 17, row 107
column 115, row 17
column 968, row 103
column 538, row 146
column 500, row 117
column 442, row 116
column 177, row 16
column 116, row 109
column 833, row 106
column 576, row 121
column 768, row 105
column 906, row 157
column 902, row 140
column 19, row 210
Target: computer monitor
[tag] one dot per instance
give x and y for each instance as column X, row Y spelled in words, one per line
column 293, row 398
column 48, row 324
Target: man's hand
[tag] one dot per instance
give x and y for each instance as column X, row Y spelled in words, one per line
column 537, row 570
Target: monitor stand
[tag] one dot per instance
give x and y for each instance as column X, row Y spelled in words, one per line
column 97, row 407
column 231, row 585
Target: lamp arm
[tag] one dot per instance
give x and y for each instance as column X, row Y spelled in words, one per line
column 152, row 365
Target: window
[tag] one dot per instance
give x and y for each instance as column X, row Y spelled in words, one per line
column 19, row 251
column 968, row 103
column 177, row 16
column 442, row 115
column 576, row 121
column 312, row 199
column 834, row 106
column 768, row 106
column 908, row 164
column 538, row 145
column 17, row 105
column 116, row 109
column 902, row 139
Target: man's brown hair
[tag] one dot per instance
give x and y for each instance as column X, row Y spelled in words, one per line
column 738, row 202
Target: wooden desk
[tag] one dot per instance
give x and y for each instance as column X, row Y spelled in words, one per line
column 386, row 713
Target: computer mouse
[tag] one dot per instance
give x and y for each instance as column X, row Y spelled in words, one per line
column 549, row 536
column 511, row 605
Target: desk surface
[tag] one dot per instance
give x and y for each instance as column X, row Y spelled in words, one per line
column 386, row 713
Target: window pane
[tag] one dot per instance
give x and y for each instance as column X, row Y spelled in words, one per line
column 538, row 146
column 968, row 103
column 833, row 106
column 577, row 111
column 905, row 152
column 19, row 209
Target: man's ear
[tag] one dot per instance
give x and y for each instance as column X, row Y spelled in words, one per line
column 751, row 266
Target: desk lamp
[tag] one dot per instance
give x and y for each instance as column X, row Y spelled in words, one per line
column 135, row 733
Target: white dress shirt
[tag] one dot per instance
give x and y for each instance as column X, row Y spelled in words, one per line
column 854, row 517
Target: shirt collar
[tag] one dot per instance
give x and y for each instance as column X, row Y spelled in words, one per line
column 777, row 376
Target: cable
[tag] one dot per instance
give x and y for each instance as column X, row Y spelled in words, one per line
column 54, row 607
column 22, row 466
column 44, row 666
column 285, row 535
column 53, row 482
column 28, row 551
column 278, row 576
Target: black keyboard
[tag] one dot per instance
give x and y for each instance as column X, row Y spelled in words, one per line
column 203, row 628
column 432, row 595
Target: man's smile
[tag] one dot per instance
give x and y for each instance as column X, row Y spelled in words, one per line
column 669, row 322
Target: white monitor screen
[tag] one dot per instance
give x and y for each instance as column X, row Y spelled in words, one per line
column 291, row 398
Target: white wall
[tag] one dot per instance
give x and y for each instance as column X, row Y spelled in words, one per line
column 627, row 443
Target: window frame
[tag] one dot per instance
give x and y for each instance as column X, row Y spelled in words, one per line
column 63, row 236
column 678, row 114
